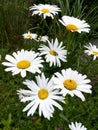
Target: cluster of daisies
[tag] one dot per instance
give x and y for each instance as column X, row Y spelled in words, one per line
column 44, row 94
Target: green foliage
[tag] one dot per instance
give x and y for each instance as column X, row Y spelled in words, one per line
column 13, row 20
column 7, row 123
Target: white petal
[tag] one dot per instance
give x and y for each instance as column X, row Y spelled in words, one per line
column 23, row 73
column 79, row 94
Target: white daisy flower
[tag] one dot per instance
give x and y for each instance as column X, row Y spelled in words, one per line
column 71, row 82
column 77, row 126
column 54, row 53
column 43, row 38
column 41, row 95
column 92, row 50
column 74, row 24
column 30, row 36
column 22, row 61
column 46, row 10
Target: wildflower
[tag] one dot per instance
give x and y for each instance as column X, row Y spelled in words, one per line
column 92, row 50
column 43, row 38
column 46, row 10
column 30, row 35
column 73, row 83
column 41, row 95
column 54, row 53
column 74, row 24
column 23, row 61
column 77, row 126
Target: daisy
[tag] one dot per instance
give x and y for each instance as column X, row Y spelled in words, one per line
column 74, row 24
column 72, row 83
column 54, row 53
column 22, row 61
column 43, row 38
column 46, row 10
column 30, row 35
column 92, row 50
column 42, row 96
column 77, row 126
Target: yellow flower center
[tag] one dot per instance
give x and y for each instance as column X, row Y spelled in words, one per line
column 53, row 52
column 95, row 53
column 23, row 64
column 43, row 94
column 45, row 10
column 70, row 84
column 29, row 36
column 71, row 27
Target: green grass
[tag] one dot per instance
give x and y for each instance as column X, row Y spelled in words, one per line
column 16, row 19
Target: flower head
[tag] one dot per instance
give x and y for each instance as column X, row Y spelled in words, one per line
column 41, row 95
column 45, row 9
column 74, row 24
column 92, row 50
column 30, row 35
column 77, row 126
column 71, row 82
column 22, row 61
column 54, row 52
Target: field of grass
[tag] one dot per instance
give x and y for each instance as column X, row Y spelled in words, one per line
column 15, row 20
